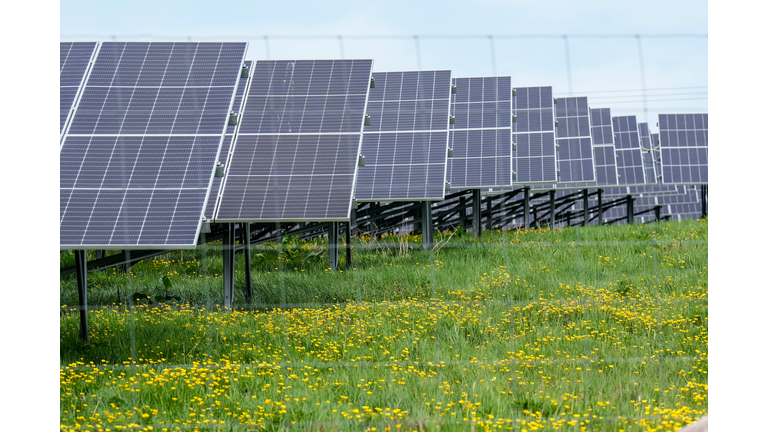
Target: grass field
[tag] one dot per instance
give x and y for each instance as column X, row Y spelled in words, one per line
column 597, row 328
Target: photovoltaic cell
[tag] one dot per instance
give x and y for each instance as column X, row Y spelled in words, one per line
column 574, row 142
column 684, row 142
column 533, row 136
column 629, row 160
column 603, row 146
column 136, row 166
column 74, row 58
column 406, row 144
column 296, row 150
column 481, row 136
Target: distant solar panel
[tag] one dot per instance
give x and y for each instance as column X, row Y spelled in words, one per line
column 138, row 159
column 630, row 158
column 74, row 58
column 406, row 144
column 684, row 142
column 533, row 136
column 296, row 151
column 574, row 144
column 481, row 136
column 646, row 147
column 603, row 146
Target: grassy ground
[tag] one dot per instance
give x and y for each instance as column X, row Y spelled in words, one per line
column 598, row 328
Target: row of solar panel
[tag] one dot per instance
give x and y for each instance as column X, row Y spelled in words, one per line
column 155, row 117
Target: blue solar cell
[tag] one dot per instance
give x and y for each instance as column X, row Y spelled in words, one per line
column 137, row 162
column 684, row 143
column 575, row 157
column 74, row 58
column 533, row 135
column 276, row 175
column 629, row 162
column 481, row 135
column 606, row 173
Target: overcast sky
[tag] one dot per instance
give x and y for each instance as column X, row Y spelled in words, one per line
column 608, row 70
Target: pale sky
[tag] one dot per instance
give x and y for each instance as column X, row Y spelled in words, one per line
column 605, row 69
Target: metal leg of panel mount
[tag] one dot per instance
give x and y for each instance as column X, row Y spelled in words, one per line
column 476, row 213
column 333, row 245
column 526, row 207
column 228, row 272
column 427, row 231
column 81, row 267
column 552, row 208
column 247, row 259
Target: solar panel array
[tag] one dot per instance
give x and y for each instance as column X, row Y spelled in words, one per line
column 296, row 151
column 406, row 144
column 603, row 146
column 574, row 143
column 74, row 58
column 646, row 147
column 533, row 135
column 630, row 158
column 481, row 136
column 138, row 159
column 684, row 148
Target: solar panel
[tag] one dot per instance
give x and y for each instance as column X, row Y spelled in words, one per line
column 603, row 146
column 481, row 136
column 684, row 142
column 226, row 145
column 138, row 158
column 406, row 144
column 574, row 144
column 629, row 161
column 646, row 147
column 533, row 135
column 296, row 151
column 74, row 58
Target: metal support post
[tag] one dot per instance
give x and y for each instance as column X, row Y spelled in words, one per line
column 247, row 259
column 526, row 207
column 333, row 245
column 657, row 212
column 552, row 208
column 463, row 212
column 348, row 235
column 488, row 208
column 599, row 206
column 228, row 272
column 568, row 213
column 427, row 230
column 81, row 267
column 476, row 214
column 630, row 210
column 703, row 201
column 585, row 194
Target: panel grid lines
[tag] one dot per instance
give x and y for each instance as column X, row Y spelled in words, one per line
column 533, row 136
column 684, row 145
column 575, row 155
column 74, row 59
column 136, row 168
column 295, row 153
column 406, row 144
column 629, row 156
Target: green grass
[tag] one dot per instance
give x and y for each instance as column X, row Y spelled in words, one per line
column 523, row 330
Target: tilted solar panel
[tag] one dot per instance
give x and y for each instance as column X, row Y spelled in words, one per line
column 533, row 136
column 630, row 159
column 74, row 58
column 481, row 136
column 406, row 144
column 137, row 161
column 684, row 142
column 295, row 155
column 574, row 144
column 603, row 146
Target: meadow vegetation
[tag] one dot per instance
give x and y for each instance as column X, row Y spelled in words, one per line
column 596, row 328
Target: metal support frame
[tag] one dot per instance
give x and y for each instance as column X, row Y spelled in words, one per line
column 247, row 259
column 427, row 230
column 630, row 210
column 599, row 206
column 476, row 213
column 228, row 272
column 657, row 213
column 463, row 212
column 333, row 245
column 585, row 194
column 348, row 235
column 703, row 201
column 81, row 264
column 488, row 209
column 552, row 209
column 526, row 208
